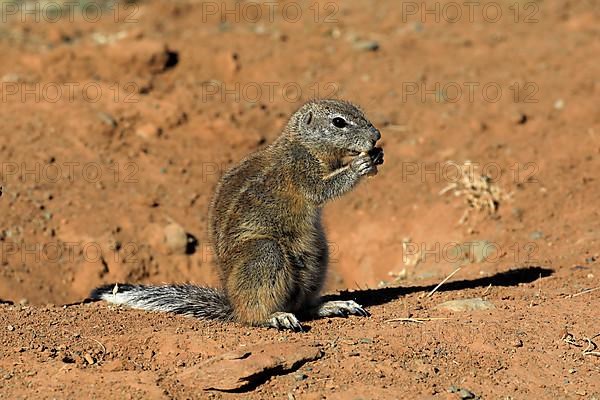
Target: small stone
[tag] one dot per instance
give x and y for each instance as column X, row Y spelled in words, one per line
column 517, row 343
column 263, row 361
column 175, row 238
column 366, row 45
column 466, row 394
column 300, row 376
column 148, row 131
column 88, row 358
column 535, row 235
column 399, row 275
column 517, row 213
column 474, row 304
column 559, row 104
column 11, row 77
column 10, row 328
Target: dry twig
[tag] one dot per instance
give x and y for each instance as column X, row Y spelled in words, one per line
column 416, row 320
column 584, row 292
column 443, row 281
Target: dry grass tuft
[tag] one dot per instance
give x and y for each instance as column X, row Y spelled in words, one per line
column 480, row 192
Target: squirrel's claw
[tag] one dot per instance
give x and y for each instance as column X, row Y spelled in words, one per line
column 284, row 320
column 363, row 165
column 340, row 308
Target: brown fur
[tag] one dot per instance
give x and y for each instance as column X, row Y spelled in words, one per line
column 265, row 218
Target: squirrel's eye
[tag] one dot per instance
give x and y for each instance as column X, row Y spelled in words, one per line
column 339, row 122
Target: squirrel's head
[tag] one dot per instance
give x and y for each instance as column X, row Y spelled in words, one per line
column 333, row 125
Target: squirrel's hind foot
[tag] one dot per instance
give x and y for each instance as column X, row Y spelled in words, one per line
column 340, row 308
column 284, row 320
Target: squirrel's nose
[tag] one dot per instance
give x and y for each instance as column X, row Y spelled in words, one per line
column 375, row 134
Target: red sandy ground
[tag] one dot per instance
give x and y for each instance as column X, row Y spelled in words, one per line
column 136, row 103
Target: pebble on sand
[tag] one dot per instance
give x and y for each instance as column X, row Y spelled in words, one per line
column 466, row 305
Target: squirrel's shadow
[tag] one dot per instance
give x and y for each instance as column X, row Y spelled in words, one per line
column 373, row 297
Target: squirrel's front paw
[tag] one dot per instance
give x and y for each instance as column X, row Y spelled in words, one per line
column 376, row 154
column 363, row 165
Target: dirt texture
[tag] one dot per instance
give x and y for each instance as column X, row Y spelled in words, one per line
column 119, row 118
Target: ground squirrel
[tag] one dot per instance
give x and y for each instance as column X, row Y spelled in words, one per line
column 265, row 225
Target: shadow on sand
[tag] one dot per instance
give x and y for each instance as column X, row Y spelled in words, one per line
column 373, row 297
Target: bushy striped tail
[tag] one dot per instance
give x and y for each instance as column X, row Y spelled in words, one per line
column 191, row 300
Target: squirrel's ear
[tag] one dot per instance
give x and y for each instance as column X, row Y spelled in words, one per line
column 308, row 118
